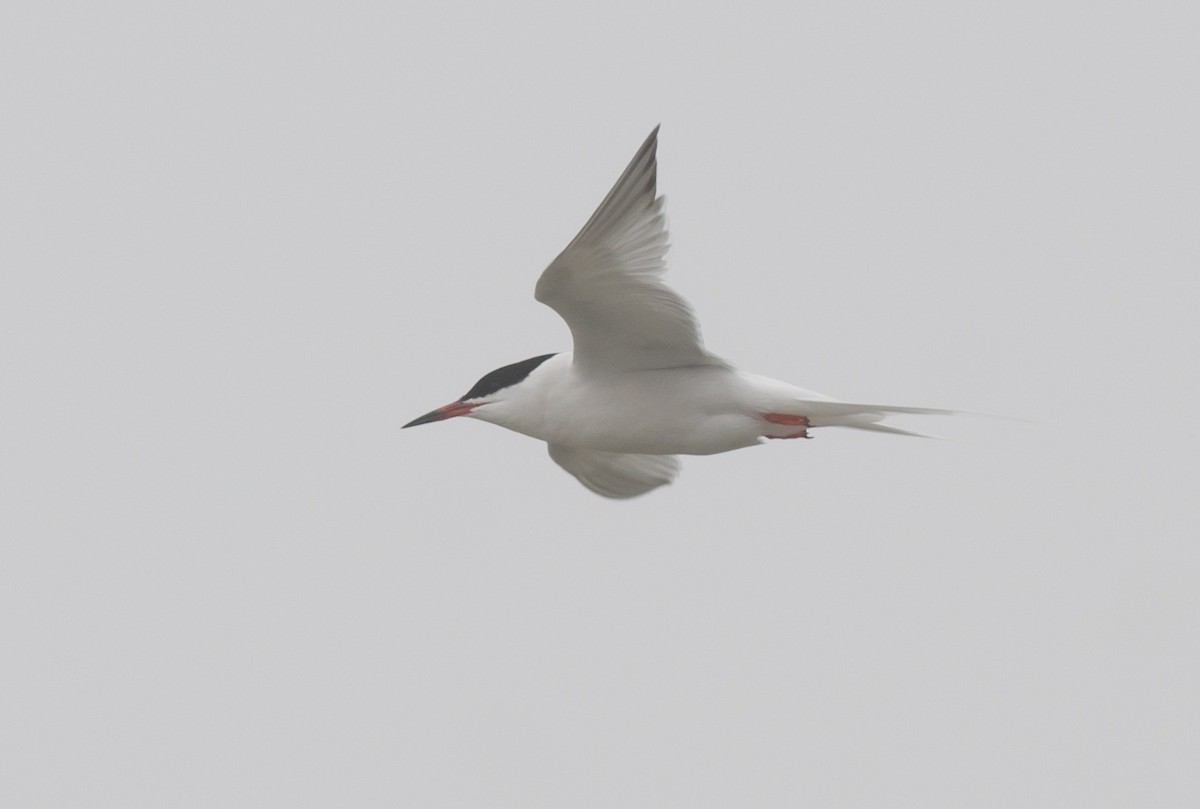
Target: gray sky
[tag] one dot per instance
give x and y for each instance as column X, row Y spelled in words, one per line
column 244, row 243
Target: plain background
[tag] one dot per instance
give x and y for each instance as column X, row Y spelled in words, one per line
column 243, row 243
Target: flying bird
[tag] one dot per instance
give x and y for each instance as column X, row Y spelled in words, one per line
column 639, row 388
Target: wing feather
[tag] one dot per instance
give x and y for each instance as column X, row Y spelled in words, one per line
column 618, row 475
column 607, row 284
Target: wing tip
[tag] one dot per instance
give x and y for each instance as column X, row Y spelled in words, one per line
column 649, row 145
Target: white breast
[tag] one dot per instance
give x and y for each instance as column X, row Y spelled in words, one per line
column 690, row 411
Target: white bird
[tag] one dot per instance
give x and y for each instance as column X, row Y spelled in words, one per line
column 639, row 387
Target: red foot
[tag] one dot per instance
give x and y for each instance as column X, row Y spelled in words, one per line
column 785, row 418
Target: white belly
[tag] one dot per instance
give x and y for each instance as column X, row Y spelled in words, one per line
column 687, row 411
column 676, row 411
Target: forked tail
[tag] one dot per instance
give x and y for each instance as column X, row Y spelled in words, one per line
column 826, row 413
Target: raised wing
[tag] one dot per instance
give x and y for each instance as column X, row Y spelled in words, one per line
column 616, row 474
column 608, row 283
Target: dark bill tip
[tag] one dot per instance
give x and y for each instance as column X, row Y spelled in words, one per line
column 442, row 413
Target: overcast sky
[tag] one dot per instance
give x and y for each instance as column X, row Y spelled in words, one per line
column 242, row 243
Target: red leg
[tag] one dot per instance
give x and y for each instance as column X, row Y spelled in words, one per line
column 785, row 418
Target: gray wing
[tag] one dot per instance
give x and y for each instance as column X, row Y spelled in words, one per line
column 607, row 285
column 616, row 474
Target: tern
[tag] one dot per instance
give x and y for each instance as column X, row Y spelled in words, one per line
column 639, row 388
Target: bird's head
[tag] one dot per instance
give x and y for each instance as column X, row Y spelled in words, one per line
column 492, row 388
